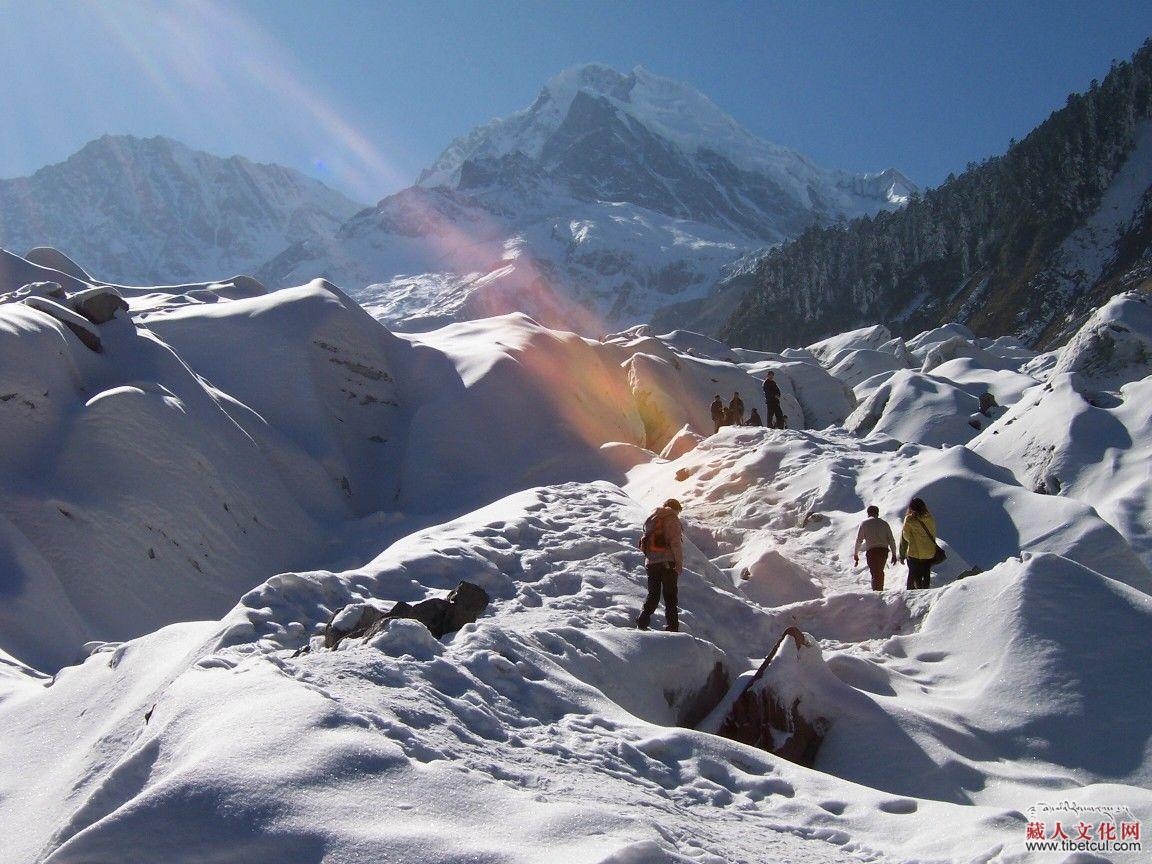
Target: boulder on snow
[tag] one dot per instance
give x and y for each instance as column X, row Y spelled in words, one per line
column 440, row 615
column 766, row 718
column 76, row 323
column 98, row 304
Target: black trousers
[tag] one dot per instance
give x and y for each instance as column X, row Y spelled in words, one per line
column 662, row 577
column 919, row 573
column 775, row 418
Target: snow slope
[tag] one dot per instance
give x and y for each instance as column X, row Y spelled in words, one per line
column 206, row 721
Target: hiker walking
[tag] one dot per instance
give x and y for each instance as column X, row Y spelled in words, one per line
column 736, row 409
column 875, row 537
column 918, row 543
column 663, row 546
column 754, row 418
column 775, row 416
column 719, row 415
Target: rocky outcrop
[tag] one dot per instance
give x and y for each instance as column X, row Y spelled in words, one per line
column 79, row 325
column 700, row 704
column 774, row 717
column 439, row 614
column 98, row 304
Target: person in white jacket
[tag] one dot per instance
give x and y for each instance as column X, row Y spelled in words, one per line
column 875, row 537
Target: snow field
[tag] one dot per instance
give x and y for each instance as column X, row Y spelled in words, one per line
column 523, row 459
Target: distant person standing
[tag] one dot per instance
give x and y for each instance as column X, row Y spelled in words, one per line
column 754, row 418
column 663, row 547
column 875, row 537
column 719, row 415
column 736, row 409
column 918, row 543
column 775, row 416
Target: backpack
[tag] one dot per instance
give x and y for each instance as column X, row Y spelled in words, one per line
column 654, row 539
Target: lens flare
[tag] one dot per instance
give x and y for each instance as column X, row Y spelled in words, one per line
column 208, row 57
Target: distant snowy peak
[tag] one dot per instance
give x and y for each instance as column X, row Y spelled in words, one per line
column 152, row 210
column 588, row 106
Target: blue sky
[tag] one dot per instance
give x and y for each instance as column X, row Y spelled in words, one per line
column 364, row 94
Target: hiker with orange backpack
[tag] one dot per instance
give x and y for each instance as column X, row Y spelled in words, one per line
column 663, row 548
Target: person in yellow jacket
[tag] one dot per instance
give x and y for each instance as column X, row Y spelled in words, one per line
column 918, row 543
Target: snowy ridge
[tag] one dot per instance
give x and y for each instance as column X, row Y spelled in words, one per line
column 153, row 211
column 306, row 459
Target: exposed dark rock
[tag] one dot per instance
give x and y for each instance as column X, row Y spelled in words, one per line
column 77, row 324
column 99, row 304
column 440, row 615
column 759, row 717
column 335, row 633
column 694, row 709
column 45, row 289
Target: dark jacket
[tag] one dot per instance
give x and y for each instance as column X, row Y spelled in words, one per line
column 674, row 536
column 771, row 391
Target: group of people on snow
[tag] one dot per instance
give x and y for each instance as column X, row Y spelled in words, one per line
column 732, row 414
column 663, row 546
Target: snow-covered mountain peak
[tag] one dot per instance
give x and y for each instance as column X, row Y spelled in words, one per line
column 154, row 210
column 677, row 115
column 627, row 192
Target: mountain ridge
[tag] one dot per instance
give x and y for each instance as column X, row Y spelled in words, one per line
column 151, row 210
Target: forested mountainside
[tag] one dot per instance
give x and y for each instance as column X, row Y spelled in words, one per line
column 1025, row 243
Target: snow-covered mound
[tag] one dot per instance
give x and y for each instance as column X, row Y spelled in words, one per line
column 857, row 366
column 872, row 338
column 1000, row 695
column 918, row 408
column 1113, row 348
column 242, row 464
column 205, row 447
column 1086, row 433
column 922, row 343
